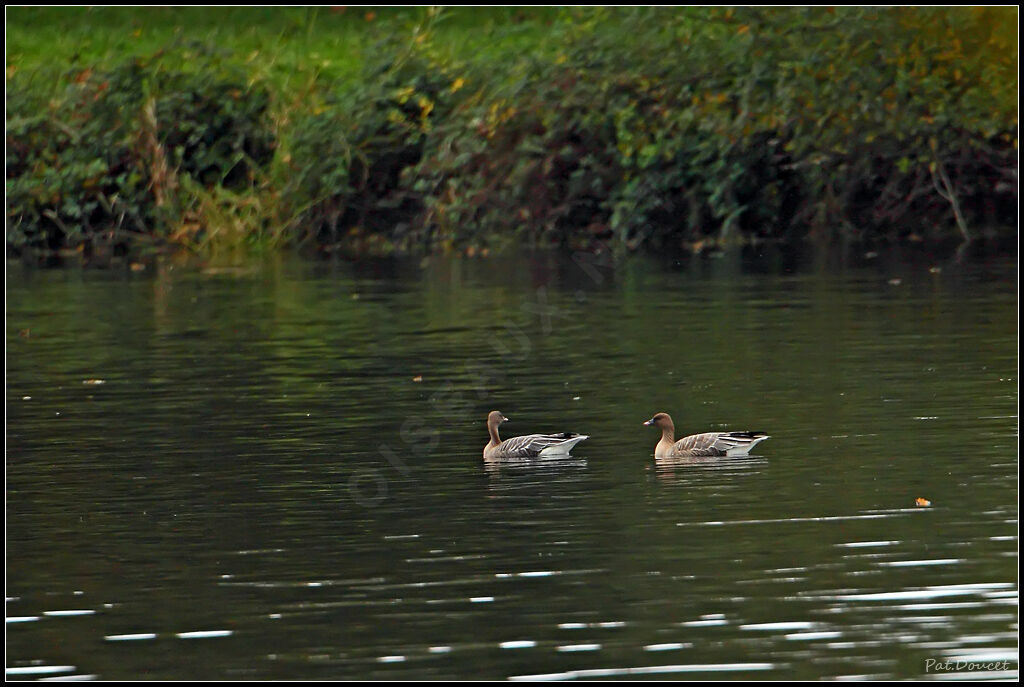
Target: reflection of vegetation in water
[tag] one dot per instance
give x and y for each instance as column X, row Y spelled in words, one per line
column 387, row 129
column 206, row 483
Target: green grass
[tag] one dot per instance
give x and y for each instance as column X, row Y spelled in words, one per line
column 280, row 44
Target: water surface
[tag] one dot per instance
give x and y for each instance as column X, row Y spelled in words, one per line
column 274, row 471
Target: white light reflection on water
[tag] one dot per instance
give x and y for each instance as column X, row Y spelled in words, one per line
column 646, row 670
column 205, row 485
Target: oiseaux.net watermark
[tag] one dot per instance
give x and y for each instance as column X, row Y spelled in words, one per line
column 513, row 343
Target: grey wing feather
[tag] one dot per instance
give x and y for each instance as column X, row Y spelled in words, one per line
column 716, row 443
column 531, row 444
column 700, row 445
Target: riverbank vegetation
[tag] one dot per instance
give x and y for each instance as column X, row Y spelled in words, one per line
column 418, row 129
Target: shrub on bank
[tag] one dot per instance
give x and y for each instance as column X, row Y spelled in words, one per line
column 755, row 123
column 654, row 128
column 103, row 159
column 348, row 160
column 640, row 127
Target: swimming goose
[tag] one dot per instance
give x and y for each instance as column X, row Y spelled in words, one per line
column 529, row 446
column 707, row 444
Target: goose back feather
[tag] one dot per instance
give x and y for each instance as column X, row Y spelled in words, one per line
column 718, row 444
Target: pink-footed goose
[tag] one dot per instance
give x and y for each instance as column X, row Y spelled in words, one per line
column 529, row 446
column 707, row 444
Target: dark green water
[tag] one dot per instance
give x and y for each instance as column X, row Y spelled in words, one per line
column 259, row 465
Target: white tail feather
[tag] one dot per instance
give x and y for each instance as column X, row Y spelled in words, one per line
column 563, row 448
column 745, row 448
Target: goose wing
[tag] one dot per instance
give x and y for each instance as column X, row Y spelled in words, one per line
column 717, row 443
column 531, row 445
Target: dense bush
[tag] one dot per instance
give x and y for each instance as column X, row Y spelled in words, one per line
column 753, row 123
column 72, row 172
column 102, row 160
column 632, row 126
column 347, row 160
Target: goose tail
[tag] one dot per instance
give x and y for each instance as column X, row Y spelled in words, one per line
column 562, row 448
column 746, row 441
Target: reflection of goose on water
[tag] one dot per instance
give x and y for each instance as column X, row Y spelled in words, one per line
column 529, row 446
column 707, row 444
column 531, row 474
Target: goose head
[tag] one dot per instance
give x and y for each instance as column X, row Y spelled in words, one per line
column 661, row 421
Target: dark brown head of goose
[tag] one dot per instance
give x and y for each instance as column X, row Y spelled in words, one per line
column 495, row 418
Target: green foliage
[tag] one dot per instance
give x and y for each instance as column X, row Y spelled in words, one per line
column 103, row 158
column 630, row 126
column 214, row 129
column 350, row 158
column 747, row 124
column 69, row 172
